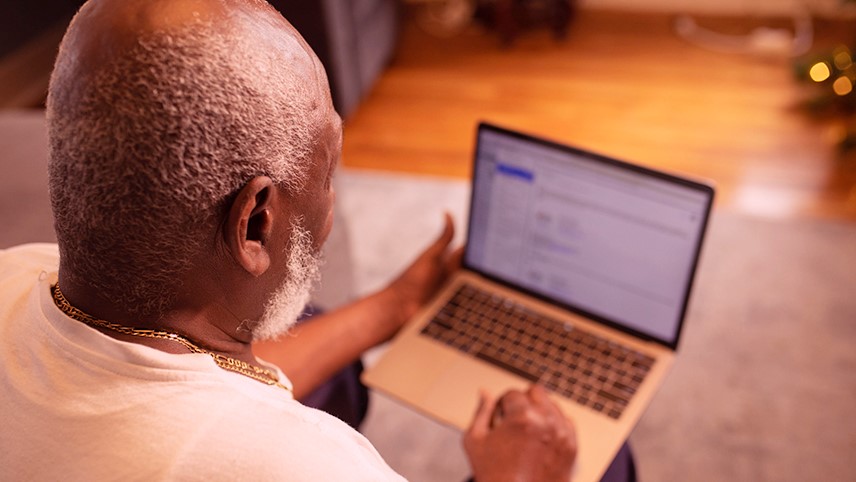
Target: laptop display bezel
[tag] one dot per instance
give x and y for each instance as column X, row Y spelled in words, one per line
column 701, row 187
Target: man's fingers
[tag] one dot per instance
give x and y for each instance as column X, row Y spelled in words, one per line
column 537, row 393
column 513, row 403
column 481, row 421
column 541, row 399
column 551, row 412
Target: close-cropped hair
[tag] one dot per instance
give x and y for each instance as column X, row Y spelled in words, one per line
column 147, row 149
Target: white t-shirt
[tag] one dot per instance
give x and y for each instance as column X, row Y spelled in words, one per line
column 76, row 404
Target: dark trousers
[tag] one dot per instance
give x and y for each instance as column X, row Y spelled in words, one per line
column 343, row 396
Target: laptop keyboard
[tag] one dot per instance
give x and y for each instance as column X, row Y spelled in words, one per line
column 593, row 371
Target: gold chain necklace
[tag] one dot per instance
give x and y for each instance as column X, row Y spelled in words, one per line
column 263, row 375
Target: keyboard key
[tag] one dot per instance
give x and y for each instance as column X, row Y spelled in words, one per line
column 506, row 366
column 611, row 396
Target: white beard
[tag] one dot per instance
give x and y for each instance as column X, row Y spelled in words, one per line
column 287, row 303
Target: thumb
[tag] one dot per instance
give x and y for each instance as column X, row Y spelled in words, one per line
column 480, row 425
column 442, row 242
column 455, row 260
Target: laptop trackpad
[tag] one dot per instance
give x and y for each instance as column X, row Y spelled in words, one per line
column 454, row 395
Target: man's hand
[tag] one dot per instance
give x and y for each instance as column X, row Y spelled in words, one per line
column 421, row 280
column 521, row 437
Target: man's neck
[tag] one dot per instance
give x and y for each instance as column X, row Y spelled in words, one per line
column 210, row 327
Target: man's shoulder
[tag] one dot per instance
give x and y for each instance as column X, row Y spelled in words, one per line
column 21, row 268
column 28, row 258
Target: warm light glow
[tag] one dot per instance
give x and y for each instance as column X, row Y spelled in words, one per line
column 843, row 60
column 842, row 86
column 819, row 72
column 771, row 202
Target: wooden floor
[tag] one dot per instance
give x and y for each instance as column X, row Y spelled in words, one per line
column 620, row 84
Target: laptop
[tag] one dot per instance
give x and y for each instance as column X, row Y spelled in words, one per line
column 576, row 276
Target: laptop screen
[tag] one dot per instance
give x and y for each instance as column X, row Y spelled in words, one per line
column 613, row 241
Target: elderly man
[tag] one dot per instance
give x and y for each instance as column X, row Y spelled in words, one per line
column 192, row 148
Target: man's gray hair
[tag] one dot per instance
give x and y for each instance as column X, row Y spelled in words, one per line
column 147, row 150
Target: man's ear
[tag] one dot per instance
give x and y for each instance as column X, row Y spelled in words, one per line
column 249, row 225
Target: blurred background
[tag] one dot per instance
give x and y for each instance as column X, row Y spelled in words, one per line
column 756, row 96
column 721, row 89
